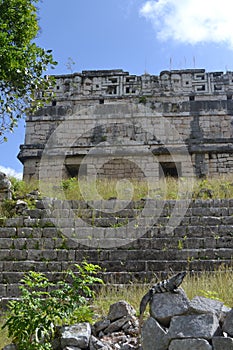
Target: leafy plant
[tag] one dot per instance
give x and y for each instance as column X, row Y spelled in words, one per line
column 142, row 100
column 44, row 305
column 22, row 63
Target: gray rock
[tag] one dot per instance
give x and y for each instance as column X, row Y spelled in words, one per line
column 220, row 343
column 228, row 323
column 117, row 325
column 76, row 335
column 153, row 333
column 194, row 326
column 5, row 187
column 189, row 344
column 21, row 207
column 71, row 348
column 119, row 310
column 96, row 344
column 10, row 347
column 166, row 305
column 5, row 183
column 101, row 325
column 205, row 305
column 224, row 313
column 56, row 344
column 127, row 347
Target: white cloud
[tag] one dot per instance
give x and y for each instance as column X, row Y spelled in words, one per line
column 11, row 172
column 191, row 21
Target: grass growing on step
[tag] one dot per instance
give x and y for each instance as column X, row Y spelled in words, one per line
column 169, row 188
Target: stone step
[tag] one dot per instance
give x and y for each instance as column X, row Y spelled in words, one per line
column 151, row 272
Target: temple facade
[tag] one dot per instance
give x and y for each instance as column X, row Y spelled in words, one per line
column 114, row 124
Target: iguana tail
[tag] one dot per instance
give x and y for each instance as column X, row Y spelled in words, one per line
column 145, row 300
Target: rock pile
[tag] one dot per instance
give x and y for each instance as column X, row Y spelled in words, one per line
column 176, row 323
column 117, row 331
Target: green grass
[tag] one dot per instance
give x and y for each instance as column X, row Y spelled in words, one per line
column 130, row 189
column 168, row 188
column 4, row 340
column 214, row 285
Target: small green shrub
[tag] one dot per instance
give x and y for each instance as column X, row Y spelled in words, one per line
column 20, row 188
column 44, row 305
column 142, row 100
column 7, row 208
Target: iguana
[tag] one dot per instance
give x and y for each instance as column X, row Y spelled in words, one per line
column 169, row 285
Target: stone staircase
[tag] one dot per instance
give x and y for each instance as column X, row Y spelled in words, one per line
column 42, row 239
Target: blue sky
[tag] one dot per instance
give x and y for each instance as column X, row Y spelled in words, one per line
column 134, row 35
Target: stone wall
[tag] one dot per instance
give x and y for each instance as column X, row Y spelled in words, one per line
column 92, row 109
column 202, row 241
column 177, row 323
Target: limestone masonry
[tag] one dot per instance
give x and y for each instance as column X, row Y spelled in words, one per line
column 202, row 241
column 177, row 118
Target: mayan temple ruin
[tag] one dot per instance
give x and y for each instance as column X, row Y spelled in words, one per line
column 120, row 120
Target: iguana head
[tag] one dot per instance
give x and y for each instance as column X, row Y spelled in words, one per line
column 178, row 279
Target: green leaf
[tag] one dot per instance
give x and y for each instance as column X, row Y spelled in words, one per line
column 22, row 62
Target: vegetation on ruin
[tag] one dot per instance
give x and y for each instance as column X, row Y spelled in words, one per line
column 22, row 63
column 210, row 284
column 20, row 190
column 33, row 319
column 215, row 285
column 220, row 187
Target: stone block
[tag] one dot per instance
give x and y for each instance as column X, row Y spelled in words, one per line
column 227, row 220
column 225, row 230
column 210, row 221
column 119, row 310
column 77, row 335
column 220, row 343
column 29, row 222
column 194, row 326
column 96, row 344
column 164, row 306
column 50, row 232
column 19, row 243
column 117, row 325
column 7, row 232
column 203, row 305
column 15, row 222
column 153, row 333
column 101, row 325
column 228, row 323
column 2, row 291
column 12, row 290
column 34, row 213
column 190, row 344
column 24, row 232
column 5, row 255
column 6, row 243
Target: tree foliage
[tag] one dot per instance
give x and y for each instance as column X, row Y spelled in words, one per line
column 22, row 62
